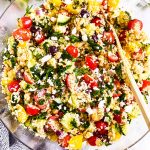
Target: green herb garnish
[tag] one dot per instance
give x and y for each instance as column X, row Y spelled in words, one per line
column 74, row 123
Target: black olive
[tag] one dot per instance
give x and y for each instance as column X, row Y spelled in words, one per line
column 84, row 13
column 53, row 50
column 33, row 29
column 19, row 74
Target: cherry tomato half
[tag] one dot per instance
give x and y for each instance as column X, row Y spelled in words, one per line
column 135, row 24
column 117, row 84
column 122, row 35
column 145, row 84
column 73, row 51
column 22, row 34
column 91, row 82
column 104, row 4
column 118, row 118
column 26, row 22
column 138, row 55
column 32, row 110
column 102, row 127
column 108, row 37
column 96, row 21
column 112, row 57
column 27, row 78
column 70, row 81
column 14, row 86
column 116, row 95
column 39, row 95
column 92, row 64
column 65, row 141
column 39, row 37
column 92, row 140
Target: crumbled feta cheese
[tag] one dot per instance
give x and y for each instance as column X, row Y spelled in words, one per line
column 54, row 38
column 53, row 19
column 67, row 1
column 101, row 104
column 122, row 104
column 74, row 31
column 46, row 58
column 84, row 37
column 50, row 82
column 90, row 111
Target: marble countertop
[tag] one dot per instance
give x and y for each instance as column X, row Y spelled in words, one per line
column 7, row 142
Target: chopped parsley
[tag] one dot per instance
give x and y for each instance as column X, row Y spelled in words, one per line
column 118, row 70
column 65, row 55
column 74, row 39
column 74, row 123
column 94, row 46
column 81, row 71
column 119, row 129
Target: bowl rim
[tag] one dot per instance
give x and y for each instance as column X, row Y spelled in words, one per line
column 15, row 136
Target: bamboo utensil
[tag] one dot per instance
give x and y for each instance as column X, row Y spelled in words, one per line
column 135, row 89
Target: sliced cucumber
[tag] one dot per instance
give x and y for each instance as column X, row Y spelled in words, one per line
column 62, row 19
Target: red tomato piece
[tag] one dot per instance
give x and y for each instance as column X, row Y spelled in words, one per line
column 53, row 117
column 116, row 95
column 112, row 57
column 102, row 127
column 138, row 55
column 104, row 3
column 32, row 110
column 108, row 37
column 26, row 22
column 39, row 37
column 40, row 94
column 14, row 86
column 92, row 140
column 65, row 141
column 22, row 34
column 122, row 35
column 145, row 84
column 117, row 83
column 96, row 21
column 27, row 78
column 91, row 82
column 92, row 64
column 73, row 51
column 118, row 118
column 70, row 81
column 135, row 24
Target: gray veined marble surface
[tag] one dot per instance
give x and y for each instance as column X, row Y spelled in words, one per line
column 8, row 142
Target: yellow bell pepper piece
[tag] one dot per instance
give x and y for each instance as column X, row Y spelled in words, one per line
column 113, row 3
column 21, row 114
column 76, row 142
column 70, row 9
column 93, row 6
column 148, row 50
column 56, row 3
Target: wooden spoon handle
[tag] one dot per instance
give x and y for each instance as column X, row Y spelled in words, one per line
column 135, row 89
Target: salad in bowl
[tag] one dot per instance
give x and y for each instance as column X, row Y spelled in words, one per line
column 63, row 77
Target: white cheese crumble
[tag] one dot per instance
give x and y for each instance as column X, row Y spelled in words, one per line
column 101, row 104
column 90, row 111
column 50, row 82
column 46, row 58
column 74, row 31
column 54, row 38
column 67, row 1
column 84, row 37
